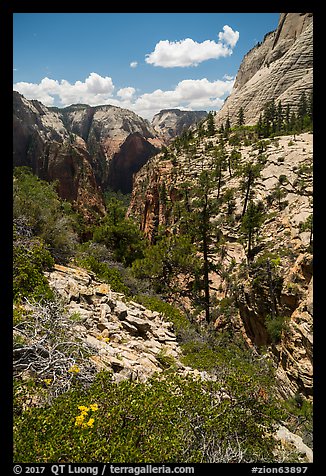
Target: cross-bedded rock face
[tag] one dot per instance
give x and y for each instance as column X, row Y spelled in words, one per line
column 279, row 68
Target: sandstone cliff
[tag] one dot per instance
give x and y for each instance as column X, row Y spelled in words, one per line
column 119, row 142
column 42, row 142
column 279, row 68
column 170, row 123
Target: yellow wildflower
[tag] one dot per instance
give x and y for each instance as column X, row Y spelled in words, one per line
column 90, row 422
column 74, row 369
column 79, row 420
column 47, row 381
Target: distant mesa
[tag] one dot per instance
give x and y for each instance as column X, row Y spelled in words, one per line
column 170, row 123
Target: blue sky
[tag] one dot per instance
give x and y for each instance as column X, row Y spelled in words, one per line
column 142, row 61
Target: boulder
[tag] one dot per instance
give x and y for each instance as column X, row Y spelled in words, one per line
column 121, row 310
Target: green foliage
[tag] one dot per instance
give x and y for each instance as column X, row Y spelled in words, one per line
column 199, row 355
column 119, row 234
column 240, row 119
column 210, row 125
column 276, row 326
column 229, row 199
column 304, row 179
column 29, row 262
column 170, row 312
column 171, row 419
column 275, row 120
column 20, row 314
column 118, row 198
column 276, row 195
column 307, row 224
column 124, row 239
column 166, row 259
column 251, row 222
column 234, row 159
column 250, row 173
column 24, row 392
column 227, row 127
column 262, row 266
column 166, row 361
column 48, row 217
column 299, row 417
column 283, row 180
column 227, row 357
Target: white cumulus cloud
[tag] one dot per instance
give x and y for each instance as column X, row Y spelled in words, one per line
column 126, row 93
column 133, row 64
column 189, row 94
column 229, row 36
column 227, row 76
column 187, row 52
column 94, row 90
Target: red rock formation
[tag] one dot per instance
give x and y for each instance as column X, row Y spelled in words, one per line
column 70, row 166
column 147, row 203
column 119, row 142
column 129, row 158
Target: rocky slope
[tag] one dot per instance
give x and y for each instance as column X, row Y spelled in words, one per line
column 281, row 235
column 125, row 337
column 279, row 68
column 170, row 123
column 109, row 333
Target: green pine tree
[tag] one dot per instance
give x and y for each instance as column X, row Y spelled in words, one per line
column 250, row 173
column 251, row 222
column 210, row 125
column 241, row 118
column 204, row 210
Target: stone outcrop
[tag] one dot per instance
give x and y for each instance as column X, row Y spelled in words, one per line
column 292, row 441
column 170, row 123
column 279, row 68
column 149, row 208
column 127, row 339
column 296, row 349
